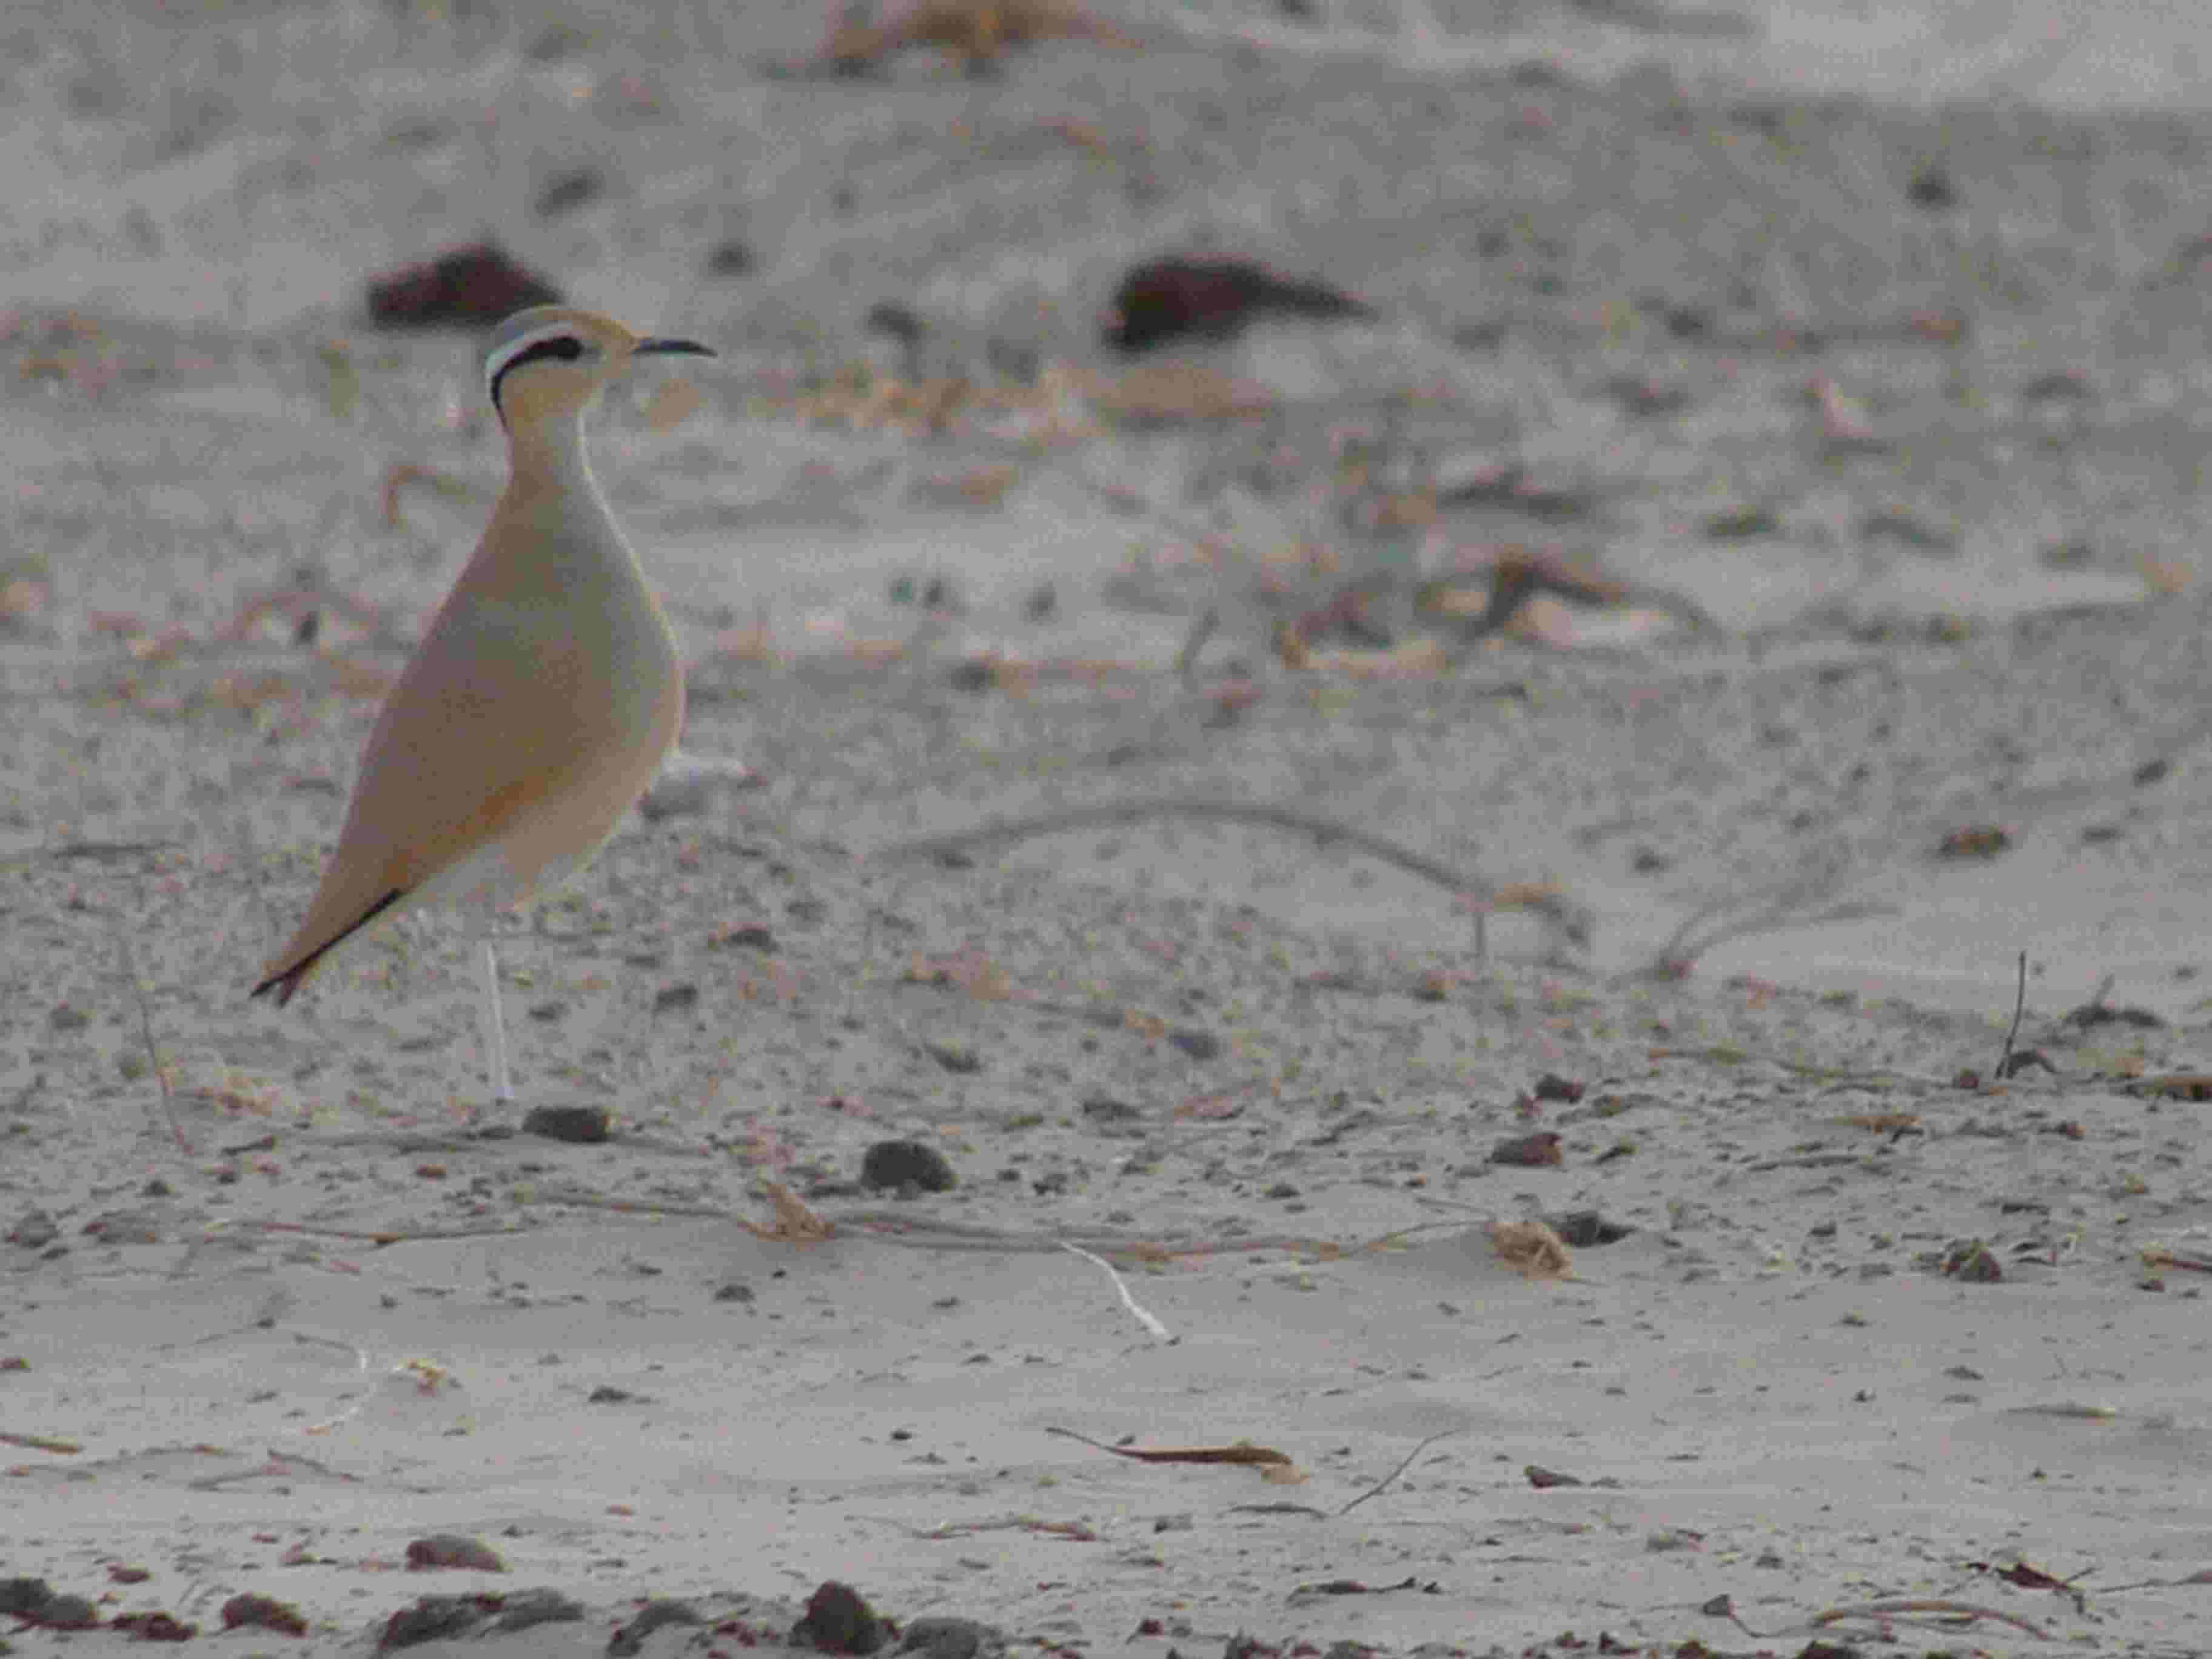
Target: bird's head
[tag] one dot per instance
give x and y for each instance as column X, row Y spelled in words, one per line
column 551, row 361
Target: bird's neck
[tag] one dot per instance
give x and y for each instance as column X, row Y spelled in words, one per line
column 546, row 461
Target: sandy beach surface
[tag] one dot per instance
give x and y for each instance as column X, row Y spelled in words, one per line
column 1170, row 1093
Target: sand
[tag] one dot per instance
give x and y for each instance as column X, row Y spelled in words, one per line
column 1869, row 1334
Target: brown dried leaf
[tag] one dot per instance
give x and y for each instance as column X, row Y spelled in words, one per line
column 1880, row 1123
column 794, row 1223
column 968, row 970
column 1532, row 1249
column 1272, row 1464
column 1539, row 1150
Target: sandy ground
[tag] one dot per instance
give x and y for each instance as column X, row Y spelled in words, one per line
column 1869, row 1339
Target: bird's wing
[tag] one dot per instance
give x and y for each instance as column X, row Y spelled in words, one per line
column 471, row 752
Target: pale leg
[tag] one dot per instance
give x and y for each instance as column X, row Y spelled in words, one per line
column 495, row 1026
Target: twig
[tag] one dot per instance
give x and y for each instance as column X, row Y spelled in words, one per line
column 1743, row 914
column 1160, row 1332
column 2192, row 1581
column 1572, row 920
column 146, row 1036
column 1201, row 629
column 1404, row 1463
column 2019, row 1006
column 890, row 1226
column 1242, row 1454
column 281, row 1466
column 2155, row 1257
column 1959, row 1609
column 1076, row 1531
column 1725, row 1608
column 381, row 1237
column 936, row 1233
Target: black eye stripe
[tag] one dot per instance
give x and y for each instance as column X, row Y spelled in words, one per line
column 564, row 347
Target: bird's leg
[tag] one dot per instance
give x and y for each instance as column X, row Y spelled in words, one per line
column 495, row 1024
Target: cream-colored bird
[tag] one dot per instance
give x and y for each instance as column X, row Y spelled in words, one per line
column 542, row 697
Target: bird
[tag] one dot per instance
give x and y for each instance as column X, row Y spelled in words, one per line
column 543, row 696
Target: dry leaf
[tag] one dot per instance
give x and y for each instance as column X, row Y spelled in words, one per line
column 1881, row 1123
column 1272, row 1465
column 2164, row 575
column 1168, row 390
column 986, row 485
column 794, row 1223
column 1419, row 658
column 1532, row 1249
column 2177, row 1086
column 22, row 596
column 978, row 30
column 968, row 970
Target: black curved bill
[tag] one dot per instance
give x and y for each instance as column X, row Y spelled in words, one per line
column 665, row 348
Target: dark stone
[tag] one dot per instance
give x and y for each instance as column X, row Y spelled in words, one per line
column 582, row 1126
column 1199, row 1045
column 264, row 1612
column 154, row 1627
column 1533, row 1151
column 24, row 1598
column 430, row 1618
column 890, row 1164
column 454, row 1551
column 1932, row 189
column 1173, row 299
column 731, row 259
column 67, row 1612
column 940, row 1638
column 901, row 322
column 839, row 1620
column 957, row 1057
column 1586, row 1229
column 466, row 288
column 567, row 191
column 661, row 1610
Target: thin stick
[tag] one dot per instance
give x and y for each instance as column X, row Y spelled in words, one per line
column 1884, row 1611
column 900, row 1228
column 1201, row 629
column 146, row 1036
column 2157, row 1258
column 2019, row 1006
column 2192, row 1581
column 379, row 1239
column 1554, row 907
column 1957, row 1609
column 1160, row 1332
column 1404, row 1463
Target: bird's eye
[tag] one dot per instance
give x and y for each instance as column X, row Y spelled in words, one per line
column 565, row 347
column 562, row 348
